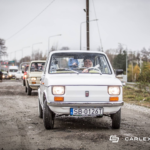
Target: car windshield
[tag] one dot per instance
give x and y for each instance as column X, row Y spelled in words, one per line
column 95, row 63
column 5, row 73
column 37, row 66
column 13, row 70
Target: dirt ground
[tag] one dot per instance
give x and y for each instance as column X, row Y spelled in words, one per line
column 22, row 129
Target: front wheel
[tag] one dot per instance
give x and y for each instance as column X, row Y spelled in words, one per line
column 116, row 120
column 29, row 90
column 48, row 118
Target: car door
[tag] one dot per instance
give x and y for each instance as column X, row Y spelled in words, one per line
column 19, row 75
column 42, row 83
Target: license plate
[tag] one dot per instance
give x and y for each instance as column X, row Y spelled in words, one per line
column 86, row 111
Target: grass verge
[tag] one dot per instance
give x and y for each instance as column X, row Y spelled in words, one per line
column 137, row 97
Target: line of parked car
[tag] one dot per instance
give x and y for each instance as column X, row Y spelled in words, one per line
column 76, row 84
column 18, row 75
column 12, row 73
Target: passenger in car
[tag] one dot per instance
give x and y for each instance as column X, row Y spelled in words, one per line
column 36, row 67
column 73, row 63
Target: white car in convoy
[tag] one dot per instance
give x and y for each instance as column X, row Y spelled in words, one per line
column 33, row 75
column 18, row 75
column 71, row 89
column 12, row 70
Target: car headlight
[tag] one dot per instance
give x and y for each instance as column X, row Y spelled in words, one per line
column 114, row 90
column 33, row 79
column 9, row 74
column 58, row 90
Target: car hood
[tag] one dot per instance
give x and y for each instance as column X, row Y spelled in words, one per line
column 12, row 73
column 81, row 80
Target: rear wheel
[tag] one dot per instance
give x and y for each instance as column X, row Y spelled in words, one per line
column 116, row 119
column 29, row 90
column 48, row 117
column 24, row 83
column 40, row 111
column 25, row 89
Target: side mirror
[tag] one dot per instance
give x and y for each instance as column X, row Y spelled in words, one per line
column 22, row 71
column 123, row 83
column 119, row 71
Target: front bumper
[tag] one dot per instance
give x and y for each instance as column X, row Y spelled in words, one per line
column 11, row 76
column 34, row 85
column 85, row 104
column 5, row 77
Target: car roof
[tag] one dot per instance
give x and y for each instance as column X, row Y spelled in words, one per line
column 38, row 61
column 76, row 51
column 13, row 67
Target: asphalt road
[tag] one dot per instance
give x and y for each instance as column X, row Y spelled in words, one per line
column 21, row 128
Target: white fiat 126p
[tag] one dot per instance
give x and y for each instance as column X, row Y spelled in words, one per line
column 80, row 84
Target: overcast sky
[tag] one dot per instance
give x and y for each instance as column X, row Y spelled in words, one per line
column 119, row 21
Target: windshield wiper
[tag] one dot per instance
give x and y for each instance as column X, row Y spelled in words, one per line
column 67, row 69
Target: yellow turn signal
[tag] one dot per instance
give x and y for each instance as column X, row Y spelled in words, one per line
column 113, row 98
column 58, row 99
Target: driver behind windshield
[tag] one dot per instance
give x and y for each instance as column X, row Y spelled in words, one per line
column 87, row 63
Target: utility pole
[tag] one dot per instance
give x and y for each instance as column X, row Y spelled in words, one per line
column 87, row 26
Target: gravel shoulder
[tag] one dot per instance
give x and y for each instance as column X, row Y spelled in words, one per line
column 21, row 128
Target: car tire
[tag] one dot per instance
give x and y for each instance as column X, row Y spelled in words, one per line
column 48, row 118
column 25, row 89
column 29, row 90
column 116, row 120
column 40, row 111
column 24, row 83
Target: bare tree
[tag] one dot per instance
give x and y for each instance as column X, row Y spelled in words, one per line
column 145, row 54
column 64, row 48
column 44, row 57
column 3, row 48
column 25, row 59
column 111, row 54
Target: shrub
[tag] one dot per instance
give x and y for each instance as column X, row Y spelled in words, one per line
column 144, row 77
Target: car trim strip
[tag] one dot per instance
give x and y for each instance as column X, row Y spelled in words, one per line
column 85, row 104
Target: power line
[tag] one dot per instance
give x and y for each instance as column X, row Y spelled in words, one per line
column 31, row 20
column 97, row 26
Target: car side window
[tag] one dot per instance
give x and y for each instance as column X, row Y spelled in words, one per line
column 104, row 65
